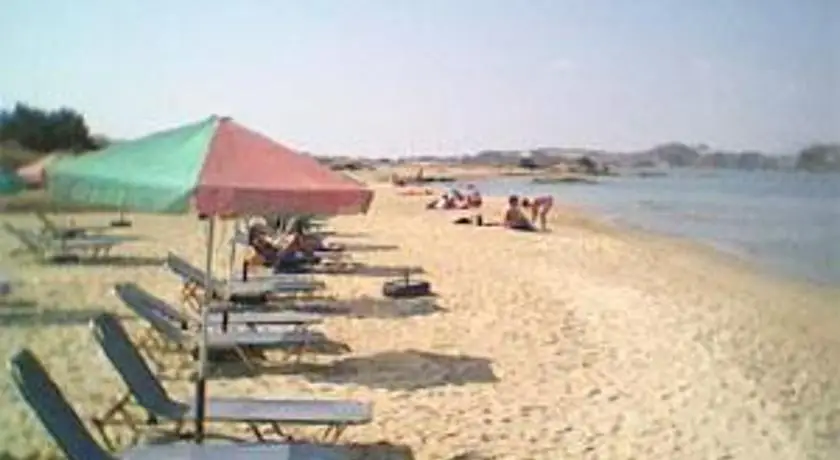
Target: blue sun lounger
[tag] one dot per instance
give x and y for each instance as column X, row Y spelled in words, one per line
column 51, row 249
column 223, row 317
column 145, row 389
column 66, row 428
column 259, row 288
column 292, row 341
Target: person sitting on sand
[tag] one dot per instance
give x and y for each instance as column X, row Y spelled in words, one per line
column 539, row 207
column 515, row 219
column 474, row 202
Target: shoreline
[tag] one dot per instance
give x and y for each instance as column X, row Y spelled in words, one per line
column 591, row 219
column 765, row 264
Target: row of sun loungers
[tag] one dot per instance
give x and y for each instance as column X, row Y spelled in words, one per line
column 57, row 244
column 244, row 317
column 265, row 418
column 54, row 230
column 145, row 390
column 170, row 328
column 67, row 429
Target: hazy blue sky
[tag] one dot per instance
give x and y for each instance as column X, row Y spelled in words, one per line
column 388, row 77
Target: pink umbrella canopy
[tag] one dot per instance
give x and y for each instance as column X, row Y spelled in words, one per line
column 246, row 172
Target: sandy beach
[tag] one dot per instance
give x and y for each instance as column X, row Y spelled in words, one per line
column 585, row 342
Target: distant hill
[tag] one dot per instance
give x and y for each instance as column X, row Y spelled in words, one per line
column 819, row 158
column 825, row 157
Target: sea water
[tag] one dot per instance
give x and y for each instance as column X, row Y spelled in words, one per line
column 788, row 222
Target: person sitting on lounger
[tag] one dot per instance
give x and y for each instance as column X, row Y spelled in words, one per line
column 539, row 206
column 292, row 253
column 515, row 219
column 310, row 242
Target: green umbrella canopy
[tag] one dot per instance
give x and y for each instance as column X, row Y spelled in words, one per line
column 155, row 173
column 10, row 182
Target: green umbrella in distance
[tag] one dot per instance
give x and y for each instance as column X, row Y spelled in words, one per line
column 10, row 182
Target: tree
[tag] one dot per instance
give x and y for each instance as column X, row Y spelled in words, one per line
column 45, row 131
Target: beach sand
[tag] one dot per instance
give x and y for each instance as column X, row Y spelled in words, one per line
column 585, row 342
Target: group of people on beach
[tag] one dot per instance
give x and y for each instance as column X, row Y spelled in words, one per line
column 523, row 213
column 517, row 219
column 455, row 199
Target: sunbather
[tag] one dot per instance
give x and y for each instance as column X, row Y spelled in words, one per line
column 515, row 219
column 311, row 242
column 451, row 200
column 539, row 206
column 474, row 201
column 295, row 252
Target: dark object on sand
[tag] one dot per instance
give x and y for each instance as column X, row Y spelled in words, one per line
column 475, row 220
column 563, row 180
column 406, row 288
column 60, row 259
column 5, row 285
column 402, row 182
column 121, row 221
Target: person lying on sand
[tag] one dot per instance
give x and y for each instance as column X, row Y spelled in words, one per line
column 515, row 219
column 445, row 201
column 539, row 207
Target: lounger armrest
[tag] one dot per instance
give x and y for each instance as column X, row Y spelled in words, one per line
column 221, row 307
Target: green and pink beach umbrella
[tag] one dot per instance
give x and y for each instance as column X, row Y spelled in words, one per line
column 216, row 167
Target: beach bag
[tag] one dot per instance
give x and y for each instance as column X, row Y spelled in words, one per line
column 406, row 288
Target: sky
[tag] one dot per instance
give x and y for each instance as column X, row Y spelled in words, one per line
column 399, row 77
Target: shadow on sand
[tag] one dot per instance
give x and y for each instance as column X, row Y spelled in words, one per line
column 110, row 261
column 373, row 307
column 24, row 313
column 362, row 247
column 228, row 365
column 351, row 451
column 385, row 271
column 406, row 370
column 343, row 234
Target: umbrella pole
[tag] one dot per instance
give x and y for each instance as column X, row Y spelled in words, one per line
column 231, row 267
column 201, row 381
